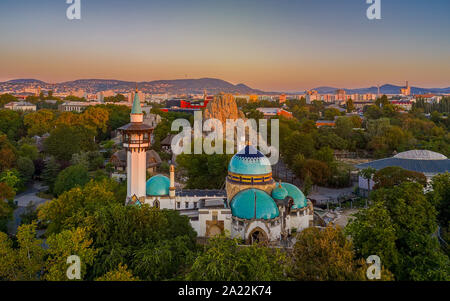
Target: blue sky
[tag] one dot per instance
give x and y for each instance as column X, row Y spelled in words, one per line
column 270, row 45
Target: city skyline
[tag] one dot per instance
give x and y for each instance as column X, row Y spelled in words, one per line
column 267, row 45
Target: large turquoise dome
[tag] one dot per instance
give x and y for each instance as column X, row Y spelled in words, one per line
column 243, row 205
column 296, row 194
column 249, row 161
column 158, row 186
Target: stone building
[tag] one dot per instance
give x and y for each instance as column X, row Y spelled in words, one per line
column 253, row 207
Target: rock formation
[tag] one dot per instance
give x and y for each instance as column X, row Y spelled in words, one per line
column 223, row 107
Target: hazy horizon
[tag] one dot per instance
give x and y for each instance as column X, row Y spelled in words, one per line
column 234, row 83
column 268, row 45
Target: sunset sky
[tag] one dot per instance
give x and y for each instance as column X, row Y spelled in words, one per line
column 273, row 45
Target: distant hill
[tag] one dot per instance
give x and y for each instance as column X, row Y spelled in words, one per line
column 190, row 86
column 385, row 89
column 177, row 86
column 25, row 81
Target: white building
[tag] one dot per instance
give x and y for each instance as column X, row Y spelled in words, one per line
column 252, row 207
column 21, row 106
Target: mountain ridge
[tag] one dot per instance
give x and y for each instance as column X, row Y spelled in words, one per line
column 196, row 86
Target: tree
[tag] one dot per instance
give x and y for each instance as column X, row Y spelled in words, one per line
column 6, row 98
column 344, row 127
column 415, row 223
column 440, row 197
column 64, row 141
column 6, row 210
column 116, row 98
column 367, row 174
column 122, row 273
column 325, row 255
column 12, row 179
column 29, row 151
column 90, row 160
column 39, row 123
column 160, row 248
column 373, row 232
column 317, row 170
column 372, row 112
column 61, row 246
column 71, row 208
column 11, row 124
column 224, row 260
column 68, row 119
column 25, row 166
column 297, row 143
column 394, row 175
column 7, row 154
column 25, row 262
column 72, row 176
column 204, row 171
column 349, row 105
column 95, row 118
column 51, row 171
column 307, row 185
column 331, row 113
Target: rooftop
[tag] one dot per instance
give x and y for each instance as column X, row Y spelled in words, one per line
column 423, row 161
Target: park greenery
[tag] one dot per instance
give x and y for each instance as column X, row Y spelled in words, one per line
column 405, row 223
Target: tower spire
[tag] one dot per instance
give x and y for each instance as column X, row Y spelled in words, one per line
column 136, row 109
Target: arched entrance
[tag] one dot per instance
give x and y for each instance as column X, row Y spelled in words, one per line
column 257, row 235
column 214, row 230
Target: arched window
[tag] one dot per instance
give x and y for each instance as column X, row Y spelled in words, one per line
column 156, row 204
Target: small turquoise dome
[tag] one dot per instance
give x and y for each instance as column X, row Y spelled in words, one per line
column 279, row 193
column 243, row 205
column 295, row 193
column 249, row 161
column 158, row 185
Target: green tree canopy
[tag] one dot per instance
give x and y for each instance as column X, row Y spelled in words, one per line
column 325, row 255
column 224, row 260
column 72, row 176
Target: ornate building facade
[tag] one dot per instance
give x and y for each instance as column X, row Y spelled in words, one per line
column 253, row 207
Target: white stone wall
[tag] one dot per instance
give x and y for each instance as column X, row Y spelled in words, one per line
column 164, row 201
column 300, row 221
column 207, row 215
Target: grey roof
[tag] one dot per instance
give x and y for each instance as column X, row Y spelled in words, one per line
column 421, row 155
column 201, row 193
column 424, row 166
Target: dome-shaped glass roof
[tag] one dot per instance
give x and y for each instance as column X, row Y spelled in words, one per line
column 249, row 161
column 243, row 205
column 279, row 193
column 158, row 185
column 296, row 194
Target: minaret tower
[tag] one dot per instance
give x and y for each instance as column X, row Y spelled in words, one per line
column 136, row 141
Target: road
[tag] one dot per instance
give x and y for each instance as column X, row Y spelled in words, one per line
column 22, row 200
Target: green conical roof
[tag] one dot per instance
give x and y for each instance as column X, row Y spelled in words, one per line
column 136, row 105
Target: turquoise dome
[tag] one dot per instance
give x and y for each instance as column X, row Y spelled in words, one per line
column 296, row 194
column 243, row 205
column 279, row 193
column 249, row 161
column 158, row 185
